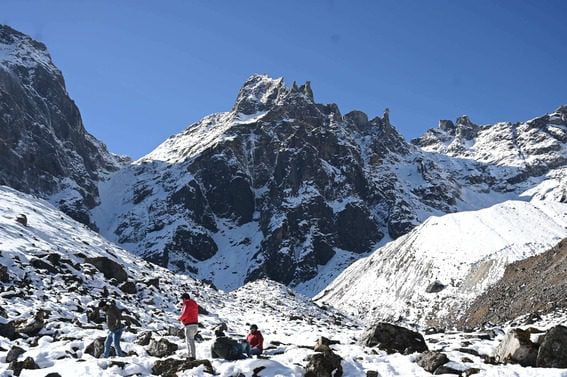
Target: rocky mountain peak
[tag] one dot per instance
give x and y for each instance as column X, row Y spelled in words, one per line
column 44, row 147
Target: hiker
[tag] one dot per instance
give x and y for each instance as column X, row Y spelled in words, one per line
column 190, row 318
column 226, row 348
column 115, row 327
column 254, row 342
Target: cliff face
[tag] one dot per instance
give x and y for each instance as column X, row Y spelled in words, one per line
column 44, row 148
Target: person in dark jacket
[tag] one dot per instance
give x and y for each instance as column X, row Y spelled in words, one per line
column 115, row 327
column 226, row 348
column 189, row 318
column 254, row 342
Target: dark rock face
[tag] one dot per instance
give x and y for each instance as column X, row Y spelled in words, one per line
column 280, row 179
column 109, row 268
column 392, row 339
column 552, row 352
column 44, row 148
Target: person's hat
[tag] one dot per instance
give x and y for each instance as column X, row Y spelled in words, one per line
column 185, row 296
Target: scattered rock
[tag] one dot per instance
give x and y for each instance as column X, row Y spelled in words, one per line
column 43, row 265
column 18, row 366
column 161, row 348
column 109, row 268
column 443, row 369
column 430, row 360
column 144, row 338
column 324, row 363
column 128, row 287
column 471, row 371
column 14, row 353
column 152, row 282
column 4, row 276
column 392, row 339
column 22, row 219
column 8, row 330
column 96, row 348
column 170, row 367
column 34, row 326
column 553, row 350
column 517, row 348
column 435, row 287
column 372, row 373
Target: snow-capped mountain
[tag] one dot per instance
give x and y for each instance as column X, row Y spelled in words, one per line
column 432, row 274
column 44, row 148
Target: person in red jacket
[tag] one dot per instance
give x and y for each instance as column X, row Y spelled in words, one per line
column 189, row 318
column 254, row 342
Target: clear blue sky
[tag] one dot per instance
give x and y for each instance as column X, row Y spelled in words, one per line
column 141, row 71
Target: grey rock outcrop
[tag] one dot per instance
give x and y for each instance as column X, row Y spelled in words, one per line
column 393, row 339
column 44, row 148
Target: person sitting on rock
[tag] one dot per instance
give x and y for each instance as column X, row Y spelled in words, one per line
column 115, row 327
column 254, row 342
column 226, row 348
column 190, row 319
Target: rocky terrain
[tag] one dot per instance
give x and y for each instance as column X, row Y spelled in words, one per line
column 54, row 271
column 44, row 148
column 534, row 285
column 432, row 274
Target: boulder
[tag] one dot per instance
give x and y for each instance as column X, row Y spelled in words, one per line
column 96, row 348
column 34, row 326
column 109, row 268
column 430, row 360
column 8, row 330
column 18, row 366
column 170, row 367
column 443, row 369
column 435, row 287
column 161, row 348
column 4, row 275
column 517, row 348
column 144, row 338
column 553, row 350
column 392, row 338
column 325, row 363
column 14, row 353
column 128, row 287
column 43, row 265
column 22, row 219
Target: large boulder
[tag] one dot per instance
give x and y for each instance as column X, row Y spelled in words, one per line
column 170, row 367
column 18, row 366
column 430, row 360
column 324, row 363
column 33, row 327
column 14, row 353
column 161, row 348
column 109, row 268
column 517, row 348
column 552, row 352
column 392, row 338
column 96, row 348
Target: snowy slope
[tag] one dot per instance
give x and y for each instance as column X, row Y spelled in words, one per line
column 69, row 289
column 466, row 252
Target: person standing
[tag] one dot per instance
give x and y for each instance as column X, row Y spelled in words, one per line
column 255, row 342
column 115, row 328
column 189, row 318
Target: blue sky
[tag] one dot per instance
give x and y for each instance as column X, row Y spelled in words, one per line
column 141, row 71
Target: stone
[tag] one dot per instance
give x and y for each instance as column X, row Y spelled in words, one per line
column 18, row 366
column 4, row 275
column 33, row 326
column 471, row 371
column 392, row 338
column 170, row 367
column 372, row 373
column 161, row 348
column 435, row 287
column 431, row 360
column 552, row 352
column 43, row 265
column 14, row 353
column 144, row 338
column 109, row 268
column 128, row 287
column 324, row 364
column 22, row 219
column 96, row 348
column 8, row 330
column 517, row 348
column 443, row 369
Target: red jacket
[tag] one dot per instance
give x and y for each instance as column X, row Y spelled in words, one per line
column 189, row 312
column 256, row 340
